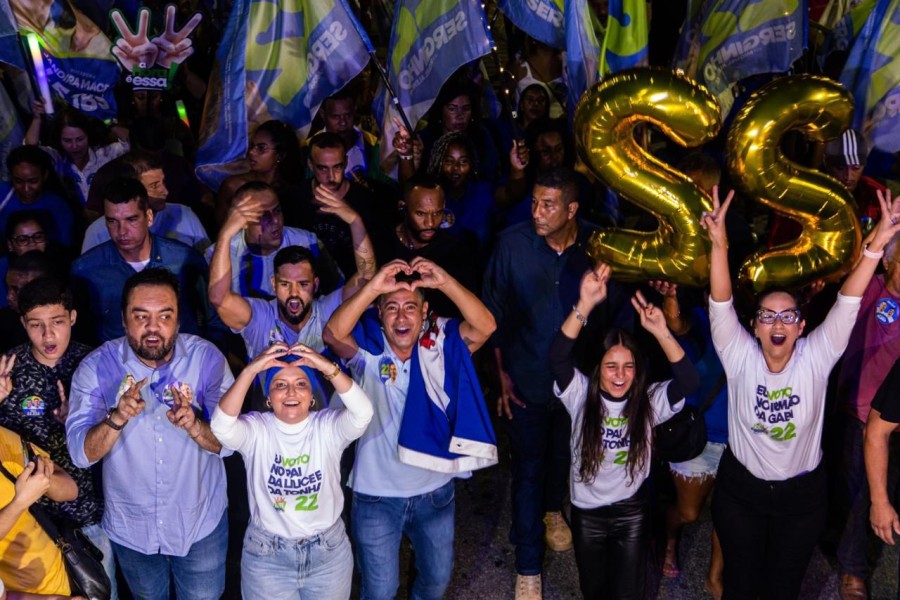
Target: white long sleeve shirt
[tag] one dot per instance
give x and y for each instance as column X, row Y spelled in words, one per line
column 293, row 471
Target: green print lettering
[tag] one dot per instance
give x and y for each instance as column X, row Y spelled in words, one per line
column 615, row 421
column 310, row 502
column 783, row 434
column 621, row 457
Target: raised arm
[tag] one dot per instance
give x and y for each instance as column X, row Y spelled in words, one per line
column 363, row 252
column 714, row 223
column 338, row 332
column 592, row 292
column 889, row 226
column 33, row 133
column 478, row 322
column 234, row 310
column 670, row 307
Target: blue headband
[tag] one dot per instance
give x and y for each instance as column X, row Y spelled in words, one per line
column 317, row 392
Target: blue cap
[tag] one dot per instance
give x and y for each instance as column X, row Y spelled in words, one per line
column 317, row 392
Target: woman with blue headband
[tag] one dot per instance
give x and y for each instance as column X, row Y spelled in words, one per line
column 295, row 537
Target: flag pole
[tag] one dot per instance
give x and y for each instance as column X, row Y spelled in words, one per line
column 370, row 48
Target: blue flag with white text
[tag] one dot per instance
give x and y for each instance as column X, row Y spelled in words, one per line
column 541, row 19
column 278, row 60
column 729, row 40
column 872, row 74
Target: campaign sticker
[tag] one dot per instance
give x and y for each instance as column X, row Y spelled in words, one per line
column 387, row 370
column 33, row 406
column 887, row 311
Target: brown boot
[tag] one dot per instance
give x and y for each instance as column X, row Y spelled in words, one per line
column 557, row 532
column 528, row 587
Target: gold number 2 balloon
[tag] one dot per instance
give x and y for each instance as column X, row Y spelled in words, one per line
column 821, row 109
column 605, row 121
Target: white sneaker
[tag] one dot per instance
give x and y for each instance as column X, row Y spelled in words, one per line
column 528, row 587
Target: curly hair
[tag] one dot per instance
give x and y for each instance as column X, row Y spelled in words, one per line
column 441, row 146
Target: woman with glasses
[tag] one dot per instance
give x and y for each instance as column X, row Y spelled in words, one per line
column 273, row 157
column 295, row 545
column 770, row 495
column 24, row 233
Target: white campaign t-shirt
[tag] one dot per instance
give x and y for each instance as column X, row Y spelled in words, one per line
column 775, row 419
column 611, row 483
column 293, row 471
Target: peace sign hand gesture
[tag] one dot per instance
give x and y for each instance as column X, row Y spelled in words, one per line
column 134, row 49
column 175, row 46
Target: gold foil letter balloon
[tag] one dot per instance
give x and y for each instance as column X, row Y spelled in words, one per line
column 821, row 109
column 605, row 120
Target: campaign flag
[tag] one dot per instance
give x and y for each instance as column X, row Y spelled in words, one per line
column 11, row 131
column 729, row 40
column 430, row 40
column 841, row 36
column 75, row 53
column 627, row 36
column 582, row 51
column 10, row 50
column 278, row 60
column 541, row 19
column 872, row 74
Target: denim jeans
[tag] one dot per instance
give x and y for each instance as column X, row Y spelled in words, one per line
column 277, row 568
column 96, row 534
column 198, row 576
column 379, row 524
column 539, row 440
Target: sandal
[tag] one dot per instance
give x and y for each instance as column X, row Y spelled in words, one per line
column 670, row 566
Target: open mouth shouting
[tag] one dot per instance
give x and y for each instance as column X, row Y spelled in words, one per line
column 778, row 339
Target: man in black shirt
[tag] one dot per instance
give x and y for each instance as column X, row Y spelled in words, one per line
column 320, row 206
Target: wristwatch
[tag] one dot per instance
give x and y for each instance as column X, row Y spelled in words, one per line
column 112, row 423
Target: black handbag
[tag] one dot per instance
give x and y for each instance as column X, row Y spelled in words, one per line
column 82, row 558
column 683, row 437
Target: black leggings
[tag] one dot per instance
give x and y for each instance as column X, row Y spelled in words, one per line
column 768, row 529
column 611, row 547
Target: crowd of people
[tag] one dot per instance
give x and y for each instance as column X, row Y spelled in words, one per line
column 335, row 318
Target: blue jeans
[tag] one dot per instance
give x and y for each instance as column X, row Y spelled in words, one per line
column 277, row 568
column 96, row 534
column 378, row 525
column 198, row 576
column 539, row 441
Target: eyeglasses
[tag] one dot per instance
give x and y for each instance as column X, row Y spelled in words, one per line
column 35, row 238
column 788, row 316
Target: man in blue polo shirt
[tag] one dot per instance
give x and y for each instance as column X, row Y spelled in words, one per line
column 141, row 404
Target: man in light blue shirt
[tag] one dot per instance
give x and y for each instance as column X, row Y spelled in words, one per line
column 142, row 405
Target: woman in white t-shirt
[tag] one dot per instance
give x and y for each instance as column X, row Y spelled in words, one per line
column 296, row 537
column 770, row 496
column 613, row 414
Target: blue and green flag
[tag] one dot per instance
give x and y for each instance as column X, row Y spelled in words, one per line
column 842, row 35
column 729, row 40
column 76, row 55
column 627, row 36
column 10, row 51
column 541, row 19
column 872, row 74
column 582, row 51
column 277, row 60
column 430, row 40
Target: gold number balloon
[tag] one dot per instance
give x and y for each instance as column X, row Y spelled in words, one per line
column 821, row 109
column 605, row 120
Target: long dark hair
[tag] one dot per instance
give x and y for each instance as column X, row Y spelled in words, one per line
column 637, row 412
